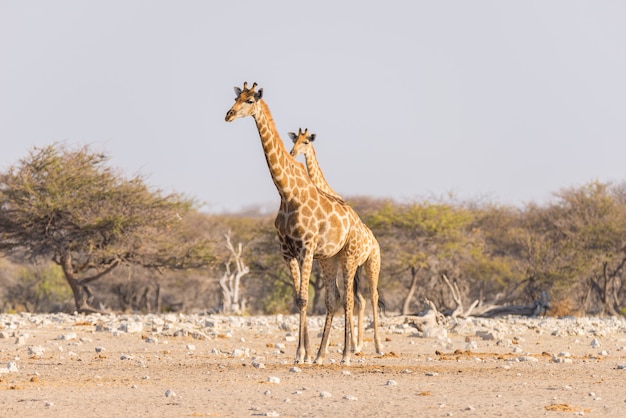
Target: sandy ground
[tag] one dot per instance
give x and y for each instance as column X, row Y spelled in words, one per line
column 205, row 366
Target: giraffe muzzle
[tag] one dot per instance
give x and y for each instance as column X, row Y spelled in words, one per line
column 230, row 115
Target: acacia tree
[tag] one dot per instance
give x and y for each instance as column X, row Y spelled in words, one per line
column 423, row 241
column 69, row 206
column 591, row 229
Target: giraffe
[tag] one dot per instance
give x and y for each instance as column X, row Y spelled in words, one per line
column 303, row 144
column 310, row 224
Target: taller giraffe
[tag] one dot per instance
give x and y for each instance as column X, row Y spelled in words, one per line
column 310, row 224
column 303, row 144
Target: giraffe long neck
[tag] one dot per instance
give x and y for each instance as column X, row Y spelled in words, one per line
column 287, row 174
column 315, row 173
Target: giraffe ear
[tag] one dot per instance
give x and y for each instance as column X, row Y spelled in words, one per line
column 312, row 137
column 259, row 94
column 237, row 91
column 293, row 136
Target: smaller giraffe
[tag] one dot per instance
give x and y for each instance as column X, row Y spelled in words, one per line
column 303, row 144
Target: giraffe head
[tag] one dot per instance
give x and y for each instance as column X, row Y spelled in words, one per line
column 246, row 103
column 302, row 142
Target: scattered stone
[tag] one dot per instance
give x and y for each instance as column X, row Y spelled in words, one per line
column 99, row 349
column 595, row 343
column 273, row 379
column 432, row 374
column 36, row 350
column 21, row 340
column 170, row 394
column 272, row 414
column 11, row 367
column 486, row 335
column 527, row 358
column 471, row 345
column 346, row 372
column 295, row 370
column 325, row 395
column 131, row 327
column 258, row 365
column 68, row 337
column 241, row 352
column 350, row 398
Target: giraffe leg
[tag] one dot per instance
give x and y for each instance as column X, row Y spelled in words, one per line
column 372, row 269
column 329, row 270
column 359, row 305
column 304, row 356
column 349, row 269
column 303, row 335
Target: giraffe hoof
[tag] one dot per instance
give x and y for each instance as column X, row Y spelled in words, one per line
column 345, row 362
column 319, row 361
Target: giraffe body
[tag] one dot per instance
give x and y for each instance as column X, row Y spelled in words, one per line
column 310, row 223
column 367, row 255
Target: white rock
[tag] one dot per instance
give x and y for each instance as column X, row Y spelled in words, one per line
column 170, row 393
column 391, row 383
column 527, row 358
column 325, row 395
column 595, row 343
column 273, row 379
column 350, row 398
column 36, row 350
column 240, row 352
column 295, row 369
column 486, row 335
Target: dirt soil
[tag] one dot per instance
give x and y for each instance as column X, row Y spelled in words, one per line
column 217, row 366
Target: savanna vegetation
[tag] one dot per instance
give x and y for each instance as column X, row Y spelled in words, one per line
column 76, row 235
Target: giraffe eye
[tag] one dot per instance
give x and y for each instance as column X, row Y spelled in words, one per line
column 250, row 101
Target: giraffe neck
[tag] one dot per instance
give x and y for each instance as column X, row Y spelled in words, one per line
column 315, row 173
column 286, row 172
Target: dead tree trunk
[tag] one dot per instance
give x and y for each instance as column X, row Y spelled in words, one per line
column 232, row 302
column 409, row 297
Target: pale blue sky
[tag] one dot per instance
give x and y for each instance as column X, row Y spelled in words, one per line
column 509, row 100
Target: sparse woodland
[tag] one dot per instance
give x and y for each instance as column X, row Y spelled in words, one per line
column 77, row 236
